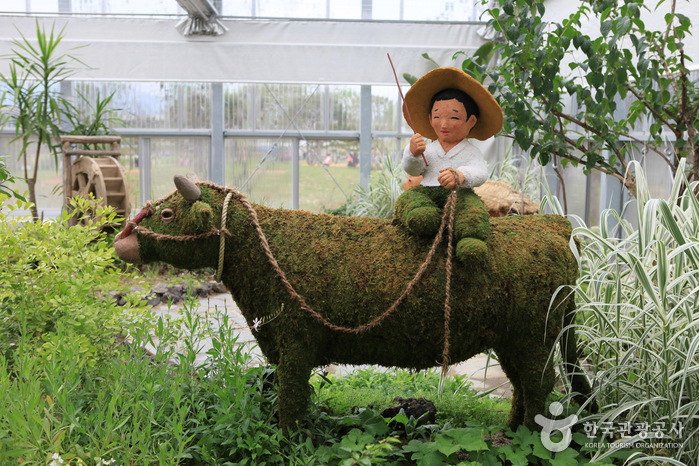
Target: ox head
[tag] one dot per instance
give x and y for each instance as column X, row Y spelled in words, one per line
column 181, row 229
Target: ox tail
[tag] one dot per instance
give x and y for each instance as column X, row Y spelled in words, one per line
column 574, row 370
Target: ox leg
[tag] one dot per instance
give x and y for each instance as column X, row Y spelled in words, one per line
column 295, row 365
column 510, row 369
column 533, row 378
column 538, row 384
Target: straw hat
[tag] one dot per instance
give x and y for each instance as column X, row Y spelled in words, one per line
column 420, row 94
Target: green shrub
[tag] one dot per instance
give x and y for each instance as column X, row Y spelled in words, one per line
column 379, row 199
column 52, row 277
column 376, row 390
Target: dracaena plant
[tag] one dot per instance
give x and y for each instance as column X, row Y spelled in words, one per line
column 36, row 69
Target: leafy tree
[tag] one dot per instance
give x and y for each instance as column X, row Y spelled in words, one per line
column 35, row 71
column 543, row 62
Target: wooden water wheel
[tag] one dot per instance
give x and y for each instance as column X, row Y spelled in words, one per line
column 101, row 177
column 105, row 179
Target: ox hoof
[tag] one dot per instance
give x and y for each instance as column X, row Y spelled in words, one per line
column 424, row 221
column 472, row 251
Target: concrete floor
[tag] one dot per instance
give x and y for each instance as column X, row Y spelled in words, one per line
column 475, row 368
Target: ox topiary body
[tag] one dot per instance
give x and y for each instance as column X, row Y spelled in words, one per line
column 350, row 270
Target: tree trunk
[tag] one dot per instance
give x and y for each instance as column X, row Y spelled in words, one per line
column 35, row 176
column 31, row 183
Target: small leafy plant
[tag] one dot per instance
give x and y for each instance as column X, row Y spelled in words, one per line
column 52, row 278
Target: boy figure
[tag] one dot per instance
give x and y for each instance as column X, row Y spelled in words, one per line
column 449, row 106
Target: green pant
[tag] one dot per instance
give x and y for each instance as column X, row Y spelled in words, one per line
column 420, row 209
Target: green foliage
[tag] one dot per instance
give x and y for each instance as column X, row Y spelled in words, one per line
column 5, row 178
column 520, row 172
column 357, row 448
column 51, row 278
column 637, row 299
column 532, row 80
column 135, row 410
column 379, row 199
column 96, row 121
column 376, row 390
column 35, row 71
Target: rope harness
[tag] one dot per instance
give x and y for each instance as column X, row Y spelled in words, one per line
column 448, row 215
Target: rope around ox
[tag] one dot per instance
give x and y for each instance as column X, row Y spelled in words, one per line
column 449, row 210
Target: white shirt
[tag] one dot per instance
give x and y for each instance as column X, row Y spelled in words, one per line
column 464, row 157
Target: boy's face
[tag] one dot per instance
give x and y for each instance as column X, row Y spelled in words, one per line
column 448, row 119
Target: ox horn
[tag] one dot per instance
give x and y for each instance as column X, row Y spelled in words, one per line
column 187, row 188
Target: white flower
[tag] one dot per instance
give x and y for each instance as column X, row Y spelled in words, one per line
column 57, row 460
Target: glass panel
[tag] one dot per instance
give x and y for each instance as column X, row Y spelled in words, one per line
column 344, row 108
column 270, row 184
column 575, row 185
column 412, row 10
column 387, row 147
column 345, row 9
column 123, row 6
column 405, row 127
column 419, row 10
column 49, row 186
column 129, row 160
column 593, row 198
column 195, row 99
column 384, row 108
column 292, row 8
column 318, row 188
column 277, row 104
column 657, row 170
column 439, row 10
column 37, row 6
column 237, row 102
column 150, row 105
column 174, row 155
column 386, row 10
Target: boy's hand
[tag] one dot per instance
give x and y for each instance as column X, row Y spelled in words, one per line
column 446, row 178
column 417, row 145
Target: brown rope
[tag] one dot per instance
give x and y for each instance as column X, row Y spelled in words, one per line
column 451, row 207
column 378, row 320
column 159, row 236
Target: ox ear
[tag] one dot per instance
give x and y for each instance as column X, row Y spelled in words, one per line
column 187, row 188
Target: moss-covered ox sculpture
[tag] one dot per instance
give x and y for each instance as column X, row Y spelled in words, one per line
column 350, row 270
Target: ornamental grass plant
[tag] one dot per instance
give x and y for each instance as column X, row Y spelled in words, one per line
column 379, row 199
column 637, row 303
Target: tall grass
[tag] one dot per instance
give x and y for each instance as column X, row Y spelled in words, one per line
column 379, row 199
column 521, row 172
column 637, row 303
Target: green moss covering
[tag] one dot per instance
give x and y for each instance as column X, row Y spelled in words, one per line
column 352, row 269
column 420, row 209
